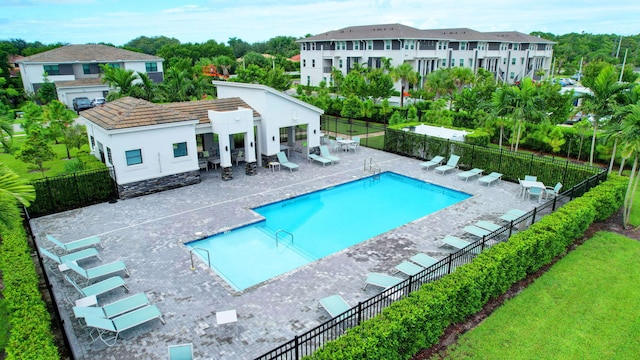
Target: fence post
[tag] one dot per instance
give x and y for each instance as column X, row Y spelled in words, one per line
column 533, row 217
column 530, row 164
column 449, row 263
column 359, row 319
column 297, row 352
column 510, row 228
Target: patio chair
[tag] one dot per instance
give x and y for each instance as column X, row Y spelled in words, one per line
column 476, row 231
column 324, row 161
column 423, row 260
column 408, row 268
column 451, row 164
column 99, row 288
column 466, row 175
column 553, row 191
column 74, row 256
column 512, row 215
column 381, row 280
column 355, row 145
column 181, row 352
column 104, row 327
column 535, row 191
column 324, row 152
column 282, row 159
column 489, row 179
column 530, row 178
column 239, row 157
column 335, row 145
column 98, row 271
column 456, row 242
column 435, row 161
column 334, row 305
column 113, row 309
column 76, row 244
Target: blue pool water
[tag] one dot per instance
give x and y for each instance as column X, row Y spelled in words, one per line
column 318, row 224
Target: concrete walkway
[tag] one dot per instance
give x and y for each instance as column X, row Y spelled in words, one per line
column 148, row 233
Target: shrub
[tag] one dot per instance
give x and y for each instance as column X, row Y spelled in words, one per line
column 478, row 137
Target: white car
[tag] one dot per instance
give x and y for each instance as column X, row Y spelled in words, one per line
column 98, row 101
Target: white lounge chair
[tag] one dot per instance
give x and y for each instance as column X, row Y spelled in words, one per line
column 324, row 161
column 104, row 327
column 435, row 161
column 490, row 179
column 282, row 159
column 334, row 305
column 451, row 164
column 324, row 152
column 466, row 175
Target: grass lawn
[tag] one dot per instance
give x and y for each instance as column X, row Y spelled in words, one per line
column 584, row 307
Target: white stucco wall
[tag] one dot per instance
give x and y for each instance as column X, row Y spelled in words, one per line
column 156, row 144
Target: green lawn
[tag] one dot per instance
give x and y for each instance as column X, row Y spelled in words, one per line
column 585, row 307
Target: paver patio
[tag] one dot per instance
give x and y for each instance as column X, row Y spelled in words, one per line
column 148, row 233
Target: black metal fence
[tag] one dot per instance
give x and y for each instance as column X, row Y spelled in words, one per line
column 365, row 129
column 308, row 342
column 66, row 192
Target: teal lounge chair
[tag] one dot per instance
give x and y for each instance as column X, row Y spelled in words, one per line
column 99, row 288
column 113, row 309
column 181, row 352
column 324, row 151
column 466, row 175
column 74, row 256
column 408, row 268
column 282, row 159
column 436, row 161
column 77, row 244
column 513, row 214
column 477, row 231
column 334, row 305
column 381, row 280
column 320, row 159
column 98, row 271
column 490, row 179
column 423, row 260
column 488, row 225
column 103, row 327
column 451, row 164
column 457, row 243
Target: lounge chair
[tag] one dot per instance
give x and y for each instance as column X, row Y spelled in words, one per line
column 98, row 271
column 512, row 215
column 334, row 305
column 408, row 268
column 423, row 260
column 181, row 352
column 381, row 280
column 103, row 326
column 74, row 256
column 77, row 244
column 324, row 152
column 99, row 288
column 477, row 231
column 488, row 225
column 435, row 161
column 489, row 179
column 457, row 243
column 466, row 175
column 451, row 164
column 113, row 309
column 324, row 161
column 282, row 159
column 553, row 191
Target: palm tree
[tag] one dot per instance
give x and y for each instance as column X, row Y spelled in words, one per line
column 13, row 189
column 145, row 89
column 406, row 75
column 630, row 137
column 120, row 79
column 601, row 102
column 177, row 85
column 440, row 82
column 462, row 76
column 613, row 131
column 6, row 128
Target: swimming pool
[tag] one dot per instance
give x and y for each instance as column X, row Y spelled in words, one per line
column 312, row 226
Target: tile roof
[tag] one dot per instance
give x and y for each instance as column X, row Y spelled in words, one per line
column 130, row 112
column 199, row 109
column 514, row 36
column 80, row 82
column 84, row 53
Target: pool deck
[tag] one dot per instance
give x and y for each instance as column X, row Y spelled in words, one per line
column 148, row 233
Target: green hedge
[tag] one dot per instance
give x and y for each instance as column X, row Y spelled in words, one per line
column 477, row 137
column 418, row 321
column 30, row 322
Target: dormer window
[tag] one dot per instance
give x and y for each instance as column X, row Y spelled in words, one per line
column 356, row 45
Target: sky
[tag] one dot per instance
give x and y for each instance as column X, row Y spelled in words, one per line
column 197, row 21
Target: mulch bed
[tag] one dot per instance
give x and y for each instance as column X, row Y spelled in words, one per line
column 451, row 334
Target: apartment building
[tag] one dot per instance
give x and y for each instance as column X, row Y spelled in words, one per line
column 510, row 55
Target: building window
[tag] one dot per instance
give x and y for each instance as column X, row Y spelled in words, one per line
column 444, row 62
column 93, row 141
column 151, row 66
column 409, row 44
column 313, row 46
column 481, row 45
column 369, row 45
column 86, row 69
column 512, row 75
column 356, row 45
column 109, row 157
column 52, row 69
column 304, row 62
column 308, row 80
column 134, row 157
column 387, row 44
column 461, row 62
column 463, row 46
column 453, row 62
column 340, row 63
column 470, row 62
column 533, row 47
column 522, row 60
column 313, row 62
column 504, row 61
column 117, row 66
column 180, row 149
column 513, row 61
column 304, row 46
column 341, row 45
column 516, row 46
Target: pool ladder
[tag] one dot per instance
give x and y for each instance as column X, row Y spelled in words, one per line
column 372, row 166
column 283, row 231
column 193, row 266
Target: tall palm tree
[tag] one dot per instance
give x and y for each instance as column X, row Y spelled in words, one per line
column 601, row 102
column 406, row 75
column 13, row 189
column 462, row 76
column 121, row 80
column 630, row 137
column 6, row 128
column 178, row 85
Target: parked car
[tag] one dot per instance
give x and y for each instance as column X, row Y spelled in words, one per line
column 98, row 101
column 81, row 103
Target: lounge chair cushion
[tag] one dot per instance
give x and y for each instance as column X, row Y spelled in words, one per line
column 334, row 305
column 381, row 280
